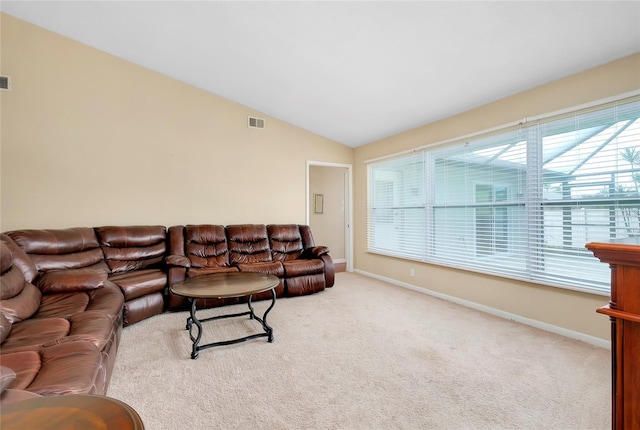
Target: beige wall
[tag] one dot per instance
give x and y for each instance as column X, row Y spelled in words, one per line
column 89, row 139
column 329, row 226
column 570, row 310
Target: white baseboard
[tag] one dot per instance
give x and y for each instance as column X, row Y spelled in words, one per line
column 497, row 312
column 340, row 260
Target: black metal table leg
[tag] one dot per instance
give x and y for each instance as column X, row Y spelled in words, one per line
column 193, row 320
column 267, row 328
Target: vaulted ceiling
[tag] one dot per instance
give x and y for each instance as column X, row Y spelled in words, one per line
column 354, row 72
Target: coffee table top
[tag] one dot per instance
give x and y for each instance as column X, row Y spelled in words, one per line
column 70, row 411
column 225, row 285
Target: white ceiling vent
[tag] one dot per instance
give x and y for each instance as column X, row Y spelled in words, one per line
column 256, row 122
column 5, row 83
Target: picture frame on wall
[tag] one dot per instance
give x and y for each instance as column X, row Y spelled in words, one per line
column 318, row 203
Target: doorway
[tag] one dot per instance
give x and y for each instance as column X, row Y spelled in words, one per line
column 329, row 213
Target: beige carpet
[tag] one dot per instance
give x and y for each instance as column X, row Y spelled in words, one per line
column 363, row 355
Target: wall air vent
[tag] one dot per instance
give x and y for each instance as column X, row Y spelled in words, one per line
column 256, row 122
column 5, row 83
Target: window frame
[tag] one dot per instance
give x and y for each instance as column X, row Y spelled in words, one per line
column 535, row 207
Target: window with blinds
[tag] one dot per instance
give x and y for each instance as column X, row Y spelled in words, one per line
column 519, row 202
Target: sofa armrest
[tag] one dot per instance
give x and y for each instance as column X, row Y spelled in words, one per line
column 314, row 252
column 178, row 261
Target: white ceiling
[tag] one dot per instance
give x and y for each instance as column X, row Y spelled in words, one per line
column 354, row 72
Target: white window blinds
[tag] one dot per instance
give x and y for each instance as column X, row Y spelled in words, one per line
column 397, row 207
column 520, row 202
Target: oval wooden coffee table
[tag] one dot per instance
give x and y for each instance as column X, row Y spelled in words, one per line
column 221, row 286
column 73, row 411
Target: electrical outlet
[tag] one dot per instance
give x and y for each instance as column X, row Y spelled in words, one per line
column 412, row 272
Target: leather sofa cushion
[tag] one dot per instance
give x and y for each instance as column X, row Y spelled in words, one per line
column 71, row 248
column 270, row 267
column 130, row 236
column 23, row 305
column 302, row 267
column 143, row 307
column 62, row 305
column 303, row 285
column 68, row 368
column 128, row 259
column 248, row 244
column 35, row 333
column 93, row 326
column 55, row 242
column 140, row 282
column 32, row 334
column 107, row 299
column 76, row 260
column 25, row 364
column 285, row 241
column 128, row 248
column 74, row 280
column 206, row 245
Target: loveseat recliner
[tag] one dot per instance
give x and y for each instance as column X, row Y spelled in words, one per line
column 287, row 251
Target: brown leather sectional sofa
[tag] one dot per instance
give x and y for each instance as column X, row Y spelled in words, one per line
column 66, row 294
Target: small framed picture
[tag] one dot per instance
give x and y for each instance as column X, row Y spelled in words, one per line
column 318, row 203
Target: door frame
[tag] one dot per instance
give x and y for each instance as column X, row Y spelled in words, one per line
column 348, row 228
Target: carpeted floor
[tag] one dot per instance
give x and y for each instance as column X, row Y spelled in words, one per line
column 363, row 355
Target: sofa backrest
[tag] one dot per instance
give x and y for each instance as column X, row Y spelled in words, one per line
column 248, row 243
column 285, row 241
column 127, row 248
column 67, row 260
column 307, row 237
column 71, row 248
column 206, row 245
